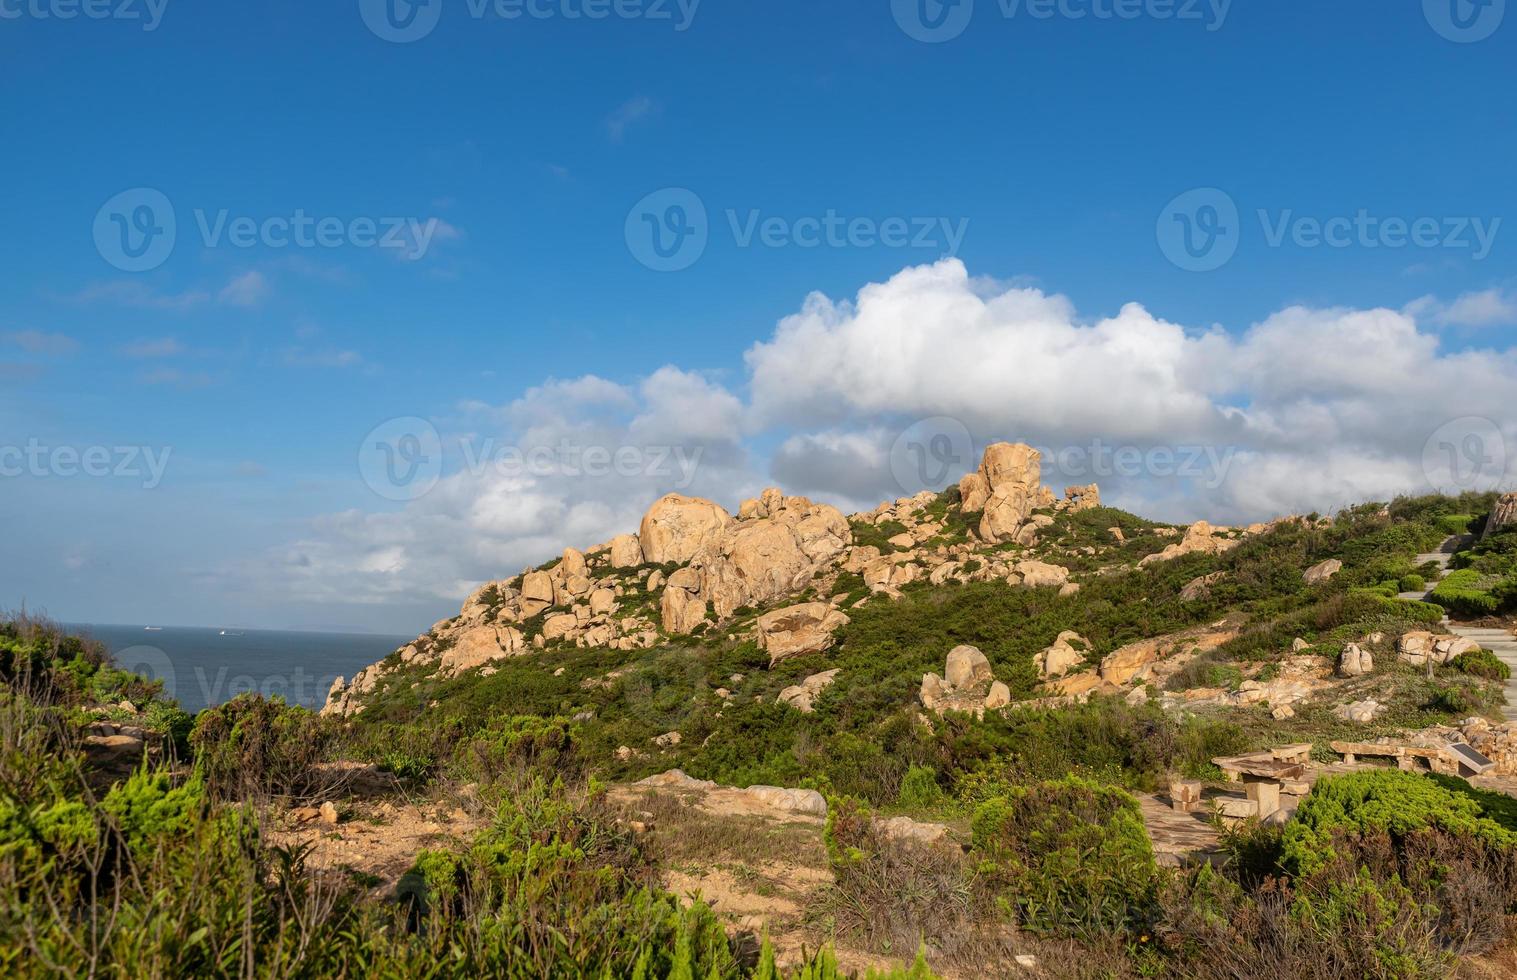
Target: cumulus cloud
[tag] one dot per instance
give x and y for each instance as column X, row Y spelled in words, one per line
column 1485, row 308
column 1308, row 409
column 569, row 462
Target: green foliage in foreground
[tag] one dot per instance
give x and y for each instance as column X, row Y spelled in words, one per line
column 1069, row 855
column 1390, row 802
column 1465, row 593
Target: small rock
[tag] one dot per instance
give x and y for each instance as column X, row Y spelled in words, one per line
column 328, row 813
column 1322, row 571
column 1283, row 712
column 668, row 740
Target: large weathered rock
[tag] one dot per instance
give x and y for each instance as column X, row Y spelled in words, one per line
column 1355, row 661
column 798, row 630
column 1062, row 656
column 1011, row 472
column 974, row 491
column 536, row 593
column 758, row 562
column 1037, row 574
column 1502, row 515
column 479, row 645
column 967, row 666
column 680, row 607
column 803, row 696
column 1420, row 646
column 1199, row 537
column 1359, row 712
column 676, row 527
column 625, row 552
column 969, row 685
column 1087, row 497
column 1322, row 571
column 1200, row 587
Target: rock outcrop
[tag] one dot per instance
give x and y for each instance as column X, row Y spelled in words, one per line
column 1199, row 537
column 802, row 697
column 968, row 684
column 797, row 630
column 676, row 527
column 1009, row 473
column 1322, row 571
column 1355, row 661
column 1417, row 648
column 1502, row 515
column 1063, row 655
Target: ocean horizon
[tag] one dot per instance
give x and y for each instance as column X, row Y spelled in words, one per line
column 204, row 666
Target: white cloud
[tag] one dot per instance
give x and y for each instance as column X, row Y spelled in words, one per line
column 38, row 342
column 248, row 289
column 156, row 347
column 1309, row 409
column 627, row 114
column 1485, row 308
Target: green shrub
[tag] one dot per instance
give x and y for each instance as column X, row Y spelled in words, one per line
column 1389, row 801
column 1412, row 583
column 1482, row 663
column 254, row 745
column 920, row 789
column 1069, row 856
column 1462, row 592
column 1455, row 523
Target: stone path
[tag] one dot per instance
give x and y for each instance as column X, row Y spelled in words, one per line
column 1501, row 642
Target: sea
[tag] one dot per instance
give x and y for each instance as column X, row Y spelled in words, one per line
column 204, row 667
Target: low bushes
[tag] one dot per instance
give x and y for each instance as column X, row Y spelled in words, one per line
column 1482, row 663
column 1463, row 592
column 1069, row 856
column 253, row 746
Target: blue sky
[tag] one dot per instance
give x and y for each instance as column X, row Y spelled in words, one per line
column 1040, row 155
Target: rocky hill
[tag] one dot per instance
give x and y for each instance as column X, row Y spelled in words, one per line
column 692, row 568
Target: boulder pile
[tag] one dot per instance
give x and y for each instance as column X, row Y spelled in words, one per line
column 968, row 684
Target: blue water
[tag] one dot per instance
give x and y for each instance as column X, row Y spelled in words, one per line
column 200, row 667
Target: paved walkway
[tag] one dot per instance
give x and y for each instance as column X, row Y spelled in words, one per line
column 1501, row 642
